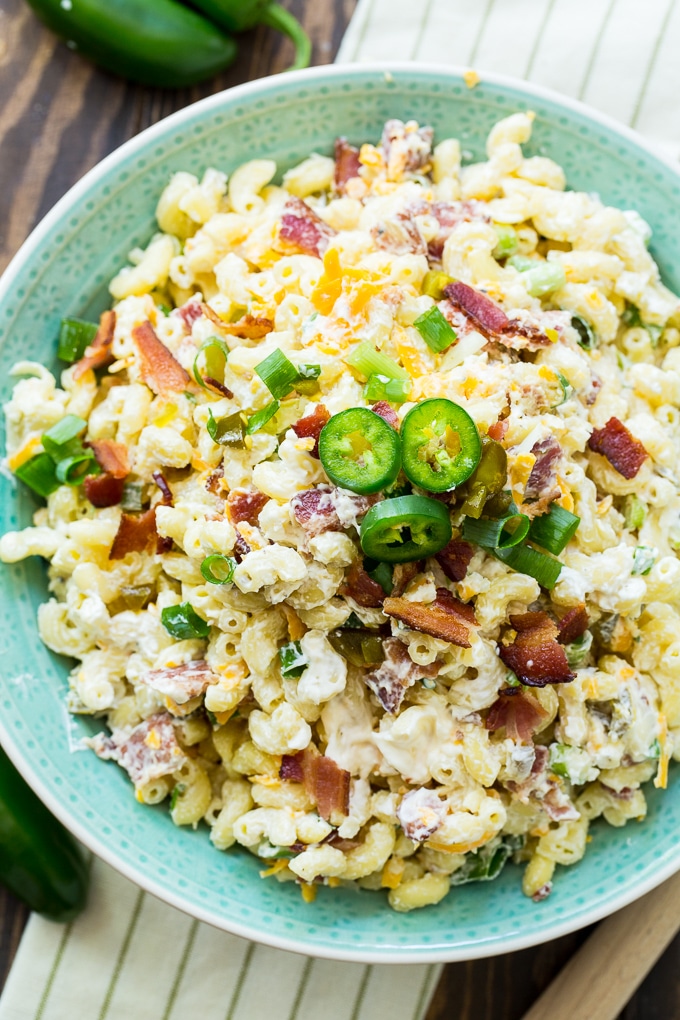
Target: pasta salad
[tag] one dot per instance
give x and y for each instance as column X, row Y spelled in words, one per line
column 363, row 514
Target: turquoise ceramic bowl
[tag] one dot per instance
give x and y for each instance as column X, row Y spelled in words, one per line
column 63, row 269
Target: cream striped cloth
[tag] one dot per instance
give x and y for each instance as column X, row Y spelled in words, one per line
column 130, row 957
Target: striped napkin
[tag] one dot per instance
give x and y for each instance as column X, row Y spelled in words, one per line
column 130, row 956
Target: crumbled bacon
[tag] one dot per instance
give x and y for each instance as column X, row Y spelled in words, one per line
column 241, row 547
column 446, row 618
column 573, row 625
column 112, row 457
column 558, row 806
column 421, row 813
column 454, row 558
column 498, row 430
column 399, row 235
column 387, row 413
column 390, row 681
column 149, row 751
column 624, row 452
column 215, row 384
column 403, row 574
column 303, row 229
column 245, row 505
column 324, row 780
column 363, row 589
column 542, row 893
column 520, row 334
column 517, row 712
column 535, row 655
column 104, row 490
column 593, row 389
column 181, row 683
column 485, row 312
column 310, row 426
column 543, row 476
column 135, row 533
column 248, row 327
column 98, row 354
column 167, row 498
column 449, row 215
column 340, row 843
column 214, row 481
column 159, row 369
column 347, row 164
column 405, row 150
column 190, row 312
column 314, row 511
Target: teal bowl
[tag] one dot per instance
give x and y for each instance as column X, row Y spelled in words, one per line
column 63, row 269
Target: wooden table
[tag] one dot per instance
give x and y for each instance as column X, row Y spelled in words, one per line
column 58, row 117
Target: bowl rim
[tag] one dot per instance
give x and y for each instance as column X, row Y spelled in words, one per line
column 388, row 955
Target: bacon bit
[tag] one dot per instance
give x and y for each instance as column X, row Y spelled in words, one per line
column 403, row 574
column 340, row 843
column 535, row 655
column 396, row 674
column 542, row 893
column 624, row 452
column 454, row 558
column 399, row 236
column 403, row 150
column 387, row 413
column 363, row 589
column 310, row 426
column 215, row 384
column 486, row 314
column 314, row 511
column 181, row 683
column 534, row 335
column 104, row 490
column 520, row 714
column 449, row 215
column 446, row 618
column 244, row 505
column 593, row 389
column 421, row 813
column 573, row 625
column 249, row 327
column 558, row 806
column 166, row 491
column 241, row 547
column 542, row 482
column 190, row 312
column 149, row 751
column 324, row 780
column 303, row 229
column 159, row 369
column 498, row 430
column 135, row 533
column 625, row 793
column 347, row 164
column 214, row 481
column 112, row 457
column 98, row 354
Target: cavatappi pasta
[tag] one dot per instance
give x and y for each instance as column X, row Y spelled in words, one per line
column 399, row 722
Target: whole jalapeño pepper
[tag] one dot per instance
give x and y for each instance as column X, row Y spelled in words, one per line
column 40, row 862
column 239, row 15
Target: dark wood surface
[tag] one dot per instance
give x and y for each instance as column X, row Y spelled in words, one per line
column 58, row 117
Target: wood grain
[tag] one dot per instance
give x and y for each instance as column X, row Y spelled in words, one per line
column 58, row 117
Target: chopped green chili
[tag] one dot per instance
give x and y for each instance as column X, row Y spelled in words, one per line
column 228, row 431
column 183, row 622
column 434, row 282
column 644, row 558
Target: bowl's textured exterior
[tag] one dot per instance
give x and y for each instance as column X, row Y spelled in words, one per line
column 63, row 270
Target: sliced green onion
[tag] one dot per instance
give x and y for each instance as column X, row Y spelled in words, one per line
column 512, row 680
column 292, row 659
column 39, row 474
column 501, row 534
column 654, row 751
column 227, row 431
column 218, row 569
column 552, row 531
column 634, row 512
column 557, row 761
column 428, row 682
column 379, row 387
column 507, row 241
column 214, row 353
column 382, row 575
column 522, row 263
column 258, row 420
column 366, row 360
column 434, row 282
column 309, row 371
column 578, row 651
column 278, row 374
column 544, row 278
column 74, row 336
column 526, row 560
column 132, row 499
column 72, row 470
column 587, row 339
column 183, row 623
column 567, row 389
column 644, row 559
column 177, row 792
column 435, row 330
column 57, row 438
column 654, row 333
column 162, row 307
